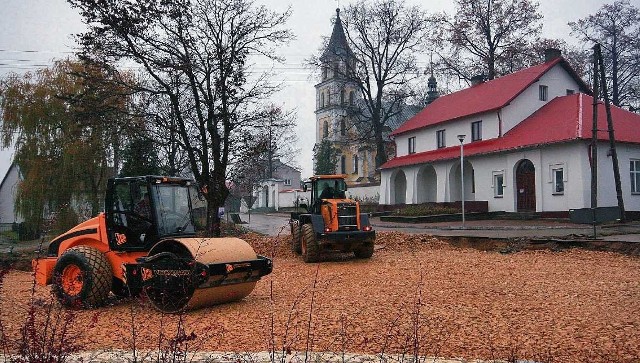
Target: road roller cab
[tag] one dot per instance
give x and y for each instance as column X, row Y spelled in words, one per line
column 332, row 222
column 150, row 239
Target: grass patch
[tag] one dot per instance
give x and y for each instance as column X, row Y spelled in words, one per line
column 414, row 210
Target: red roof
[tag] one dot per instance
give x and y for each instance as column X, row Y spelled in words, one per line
column 563, row 119
column 483, row 97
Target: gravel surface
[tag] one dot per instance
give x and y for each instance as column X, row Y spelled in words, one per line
column 417, row 295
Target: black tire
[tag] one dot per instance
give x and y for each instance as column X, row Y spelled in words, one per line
column 310, row 249
column 364, row 251
column 82, row 278
column 296, row 244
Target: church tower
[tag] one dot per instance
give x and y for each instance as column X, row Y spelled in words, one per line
column 336, row 99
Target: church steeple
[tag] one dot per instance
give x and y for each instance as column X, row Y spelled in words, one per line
column 338, row 46
column 432, row 93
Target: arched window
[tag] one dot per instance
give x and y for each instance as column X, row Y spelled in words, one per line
column 325, row 130
column 342, row 97
column 322, row 100
column 343, row 164
column 355, row 164
column 351, row 96
column 324, row 73
column 343, row 127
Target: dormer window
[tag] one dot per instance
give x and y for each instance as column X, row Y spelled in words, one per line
column 440, row 138
column 476, row 131
column 412, row 145
column 543, row 92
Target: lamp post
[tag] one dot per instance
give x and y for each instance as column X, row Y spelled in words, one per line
column 461, row 138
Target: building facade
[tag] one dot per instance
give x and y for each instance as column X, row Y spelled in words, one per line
column 8, row 190
column 526, row 144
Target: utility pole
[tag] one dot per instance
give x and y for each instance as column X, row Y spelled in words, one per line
column 612, row 139
column 594, row 143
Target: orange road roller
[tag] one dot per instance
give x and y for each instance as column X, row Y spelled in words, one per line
column 147, row 241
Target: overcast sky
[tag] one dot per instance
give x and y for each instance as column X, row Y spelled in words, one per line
column 34, row 32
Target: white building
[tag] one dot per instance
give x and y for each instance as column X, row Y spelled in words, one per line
column 526, row 146
column 8, row 190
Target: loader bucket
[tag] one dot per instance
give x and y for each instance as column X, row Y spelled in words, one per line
column 190, row 273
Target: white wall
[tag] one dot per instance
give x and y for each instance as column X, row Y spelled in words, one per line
column 287, row 199
column 366, row 193
column 556, row 79
column 572, row 157
column 426, row 139
column 8, row 197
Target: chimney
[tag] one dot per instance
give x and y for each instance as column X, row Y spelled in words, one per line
column 477, row 79
column 551, row 54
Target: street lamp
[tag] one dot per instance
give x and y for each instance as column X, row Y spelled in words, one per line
column 461, row 138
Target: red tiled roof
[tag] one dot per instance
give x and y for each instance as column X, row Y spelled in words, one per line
column 484, row 97
column 563, row 119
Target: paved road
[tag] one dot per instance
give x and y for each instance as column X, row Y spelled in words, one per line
column 278, row 223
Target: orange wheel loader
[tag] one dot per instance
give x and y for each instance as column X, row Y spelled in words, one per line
column 332, row 222
column 147, row 240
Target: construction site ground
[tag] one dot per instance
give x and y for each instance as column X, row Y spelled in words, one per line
column 514, row 290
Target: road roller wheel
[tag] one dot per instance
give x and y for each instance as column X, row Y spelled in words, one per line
column 82, row 278
column 364, row 251
column 310, row 250
column 296, row 244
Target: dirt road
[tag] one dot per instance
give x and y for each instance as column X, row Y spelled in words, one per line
column 417, row 294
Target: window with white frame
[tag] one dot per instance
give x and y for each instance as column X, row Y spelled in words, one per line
column 476, row 131
column 440, row 137
column 543, row 92
column 411, row 143
column 634, row 172
column 498, row 184
column 557, row 174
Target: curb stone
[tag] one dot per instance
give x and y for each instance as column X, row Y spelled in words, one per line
column 116, row 356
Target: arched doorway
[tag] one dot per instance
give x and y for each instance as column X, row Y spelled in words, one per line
column 525, row 186
column 455, row 187
column 399, row 188
column 426, row 184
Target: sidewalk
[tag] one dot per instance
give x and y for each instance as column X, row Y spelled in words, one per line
column 277, row 223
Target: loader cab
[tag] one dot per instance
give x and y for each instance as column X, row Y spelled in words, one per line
column 326, row 187
column 140, row 211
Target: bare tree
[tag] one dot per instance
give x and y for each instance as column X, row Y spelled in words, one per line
column 617, row 28
column 484, row 36
column 267, row 145
column 195, row 54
